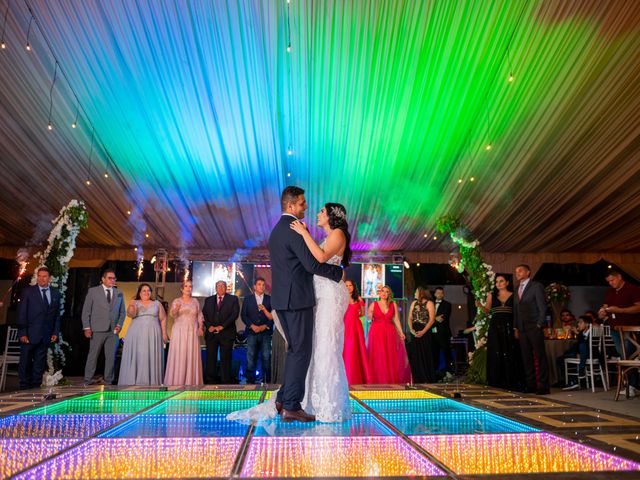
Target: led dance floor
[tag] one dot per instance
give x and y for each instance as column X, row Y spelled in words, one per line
column 185, row 434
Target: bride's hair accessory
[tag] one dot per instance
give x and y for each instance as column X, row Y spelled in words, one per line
column 338, row 212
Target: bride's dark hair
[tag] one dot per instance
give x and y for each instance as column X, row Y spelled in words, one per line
column 338, row 219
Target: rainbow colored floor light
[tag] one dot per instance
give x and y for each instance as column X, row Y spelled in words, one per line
column 140, row 434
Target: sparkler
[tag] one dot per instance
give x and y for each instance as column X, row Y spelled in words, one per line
column 21, row 258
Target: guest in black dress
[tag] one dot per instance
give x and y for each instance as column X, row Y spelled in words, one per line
column 504, row 363
column 422, row 315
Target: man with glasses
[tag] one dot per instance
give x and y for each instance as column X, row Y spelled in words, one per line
column 103, row 314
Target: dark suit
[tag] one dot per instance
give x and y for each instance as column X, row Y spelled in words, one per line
column 292, row 296
column 224, row 316
column 257, row 342
column 529, row 314
column 37, row 321
column 441, row 336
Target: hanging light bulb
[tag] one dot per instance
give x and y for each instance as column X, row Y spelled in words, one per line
column 488, row 147
column 49, row 126
column 290, row 150
column 106, row 175
column 510, row 77
column 28, row 47
column 3, row 45
column 88, row 182
column 289, row 48
column 74, row 125
column 128, row 212
column 472, row 179
column 288, row 174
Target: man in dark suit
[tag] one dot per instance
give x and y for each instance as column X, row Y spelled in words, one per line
column 292, row 296
column 441, row 333
column 220, row 312
column 38, row 326
column 529, row 312
column 103, row 314
column 256, row 315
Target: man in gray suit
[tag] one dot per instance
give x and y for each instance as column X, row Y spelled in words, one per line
column 103, row 314
column 529, row 312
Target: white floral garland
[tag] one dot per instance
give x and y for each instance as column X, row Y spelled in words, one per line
column 66, row 230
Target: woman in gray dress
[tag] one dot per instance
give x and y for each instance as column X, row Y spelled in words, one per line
column 143, row 344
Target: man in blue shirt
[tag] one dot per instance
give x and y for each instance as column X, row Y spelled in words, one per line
column 256, row 315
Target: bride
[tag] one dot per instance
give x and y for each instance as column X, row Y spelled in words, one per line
column 326, row 386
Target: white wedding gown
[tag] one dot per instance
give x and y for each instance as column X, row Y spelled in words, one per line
column 326, row 386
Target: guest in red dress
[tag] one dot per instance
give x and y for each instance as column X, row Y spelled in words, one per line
column 387, row 355
column 354, row 353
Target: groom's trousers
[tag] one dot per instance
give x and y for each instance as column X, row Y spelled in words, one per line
column 298, row 330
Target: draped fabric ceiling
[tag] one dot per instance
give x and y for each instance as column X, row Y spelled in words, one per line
column 200, row 114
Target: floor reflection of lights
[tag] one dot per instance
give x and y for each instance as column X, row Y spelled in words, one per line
column 214, row 425
column 60, row 426
column 357, row 426
column 143, row 458
column 91, row 406
column 334, row 457
column 18, row 454
column 454, row 423
column 142, row 434
column 418, row 406
column 392, row 394
column 519, row 453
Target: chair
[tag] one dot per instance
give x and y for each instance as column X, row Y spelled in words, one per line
column 629, row 362
column 460, row 347
column 11, row 355
column 593, row 368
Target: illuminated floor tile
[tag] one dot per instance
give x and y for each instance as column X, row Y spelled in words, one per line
column 91, row 406
column 18, row 454
column 359, row 425
column 447, row 423
column 392, row 394
column 201, row 406
column 178, row 426
column 518, row 453
column 630, row 441
column 61, row 426
column 418, row 406
column 573, row 418
column 334, row 457
column 143, row 458
column 127, row 395
column 220, row 395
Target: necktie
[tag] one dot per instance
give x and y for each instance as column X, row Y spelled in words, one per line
column 520, row 290
column 44, row 296
column 108, row 295
column 219, row 302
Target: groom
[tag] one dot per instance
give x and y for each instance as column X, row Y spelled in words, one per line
column 292, row 270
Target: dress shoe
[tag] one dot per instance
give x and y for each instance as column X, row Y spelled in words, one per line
column 543, row 391
column 279, row 407
column 297, row 416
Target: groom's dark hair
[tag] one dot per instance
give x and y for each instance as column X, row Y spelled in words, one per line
column 289, row 195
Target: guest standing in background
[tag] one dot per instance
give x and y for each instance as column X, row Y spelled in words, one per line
column 103, row 314
column 441, row 334
column 504, row 365
column 422, row 316
column 143, row 344
column 184, row 364
column 387, row 355
column 354, row 352
column 220, row 313
column 256, row 315
column 529, row 312
column 38, row 326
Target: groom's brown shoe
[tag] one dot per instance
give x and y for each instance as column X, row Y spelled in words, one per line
column 279, row 407
column 297, row 416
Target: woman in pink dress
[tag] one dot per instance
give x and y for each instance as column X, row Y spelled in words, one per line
column 387, row 355
column 184, row 365
column 354, row 353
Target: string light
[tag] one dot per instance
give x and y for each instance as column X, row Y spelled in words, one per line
column 53, row 83
column 28, row 45
column 4, row 27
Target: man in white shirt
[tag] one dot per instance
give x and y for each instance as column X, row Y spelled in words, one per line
column 256, row 315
